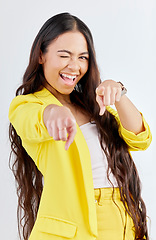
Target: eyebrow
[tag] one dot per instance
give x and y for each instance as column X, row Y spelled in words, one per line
column 71, row 52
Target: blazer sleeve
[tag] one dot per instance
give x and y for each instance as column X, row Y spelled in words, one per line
column 135, row 142
column 26, row 116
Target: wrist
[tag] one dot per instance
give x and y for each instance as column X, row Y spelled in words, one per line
column 123, row 89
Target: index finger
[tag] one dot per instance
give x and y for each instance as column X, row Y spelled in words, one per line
column 71, row 130
column 99, row 98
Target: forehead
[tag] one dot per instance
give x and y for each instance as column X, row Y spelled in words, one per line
column 73, row 41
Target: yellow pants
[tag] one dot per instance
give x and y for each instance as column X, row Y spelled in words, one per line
column 113, row 221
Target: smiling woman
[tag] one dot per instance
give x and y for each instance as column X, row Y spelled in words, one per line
column 63, row 64
column 63, row 130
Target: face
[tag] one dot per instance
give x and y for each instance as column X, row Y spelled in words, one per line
column 65, row 62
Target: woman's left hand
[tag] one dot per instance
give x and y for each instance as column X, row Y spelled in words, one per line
column 107, row 93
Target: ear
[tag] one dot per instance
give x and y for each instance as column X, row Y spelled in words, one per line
column 41, row 58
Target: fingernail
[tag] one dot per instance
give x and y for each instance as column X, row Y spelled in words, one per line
column 102, row 111
column 66, row 147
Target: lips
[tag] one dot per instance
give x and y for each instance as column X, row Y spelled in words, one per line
column 68, row 79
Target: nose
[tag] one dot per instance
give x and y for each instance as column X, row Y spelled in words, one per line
column 73, row 65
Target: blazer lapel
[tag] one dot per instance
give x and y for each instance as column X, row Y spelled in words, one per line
column 88, row 179
column 85, row 162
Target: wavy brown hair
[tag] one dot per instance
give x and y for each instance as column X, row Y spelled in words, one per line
column 28, row 177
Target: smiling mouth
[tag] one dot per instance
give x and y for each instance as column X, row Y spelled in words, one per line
column 67, row 77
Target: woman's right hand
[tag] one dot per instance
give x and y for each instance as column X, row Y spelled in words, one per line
column 59, row 122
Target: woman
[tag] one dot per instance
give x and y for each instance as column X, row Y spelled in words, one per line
column 62, row 129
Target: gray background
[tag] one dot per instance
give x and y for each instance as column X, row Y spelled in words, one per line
column 125, row 40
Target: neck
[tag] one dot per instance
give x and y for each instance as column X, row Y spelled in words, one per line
column 64, row 99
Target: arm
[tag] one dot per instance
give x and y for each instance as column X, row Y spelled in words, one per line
column 26, row 116
column 136, row 142
column 109, row 93
column 130, row 117
column 132, row 125
column 36, row 121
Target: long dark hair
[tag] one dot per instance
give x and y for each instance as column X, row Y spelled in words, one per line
column 28, row 177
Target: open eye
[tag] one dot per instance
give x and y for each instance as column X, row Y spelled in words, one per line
column 83, row 57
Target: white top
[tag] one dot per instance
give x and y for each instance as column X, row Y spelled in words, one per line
column 98, row 157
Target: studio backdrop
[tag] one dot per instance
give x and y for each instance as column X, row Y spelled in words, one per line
column 124, row 33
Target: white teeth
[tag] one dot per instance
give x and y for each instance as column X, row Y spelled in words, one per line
column 68, row 76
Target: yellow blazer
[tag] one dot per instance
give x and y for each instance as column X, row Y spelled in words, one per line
column 67, row 208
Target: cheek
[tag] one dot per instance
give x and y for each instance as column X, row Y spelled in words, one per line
column 52, row 67
column 57, row 64
column 84, row 68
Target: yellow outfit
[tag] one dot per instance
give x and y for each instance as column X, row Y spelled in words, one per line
column 114, row 223
column 67, row 208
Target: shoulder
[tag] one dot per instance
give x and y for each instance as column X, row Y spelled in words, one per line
column 41, row 97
